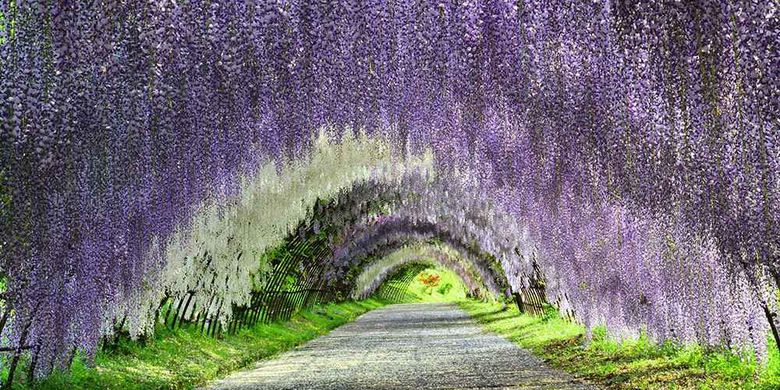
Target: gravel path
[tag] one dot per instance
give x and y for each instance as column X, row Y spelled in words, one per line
column 416, row 346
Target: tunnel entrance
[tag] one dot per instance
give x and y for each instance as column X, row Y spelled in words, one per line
column 423, row 282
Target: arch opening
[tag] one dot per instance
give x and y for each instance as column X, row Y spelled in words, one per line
column 423, row 280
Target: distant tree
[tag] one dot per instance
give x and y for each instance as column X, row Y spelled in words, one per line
column 429, row 281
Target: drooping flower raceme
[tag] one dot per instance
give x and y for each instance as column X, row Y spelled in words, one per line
column 634, row 144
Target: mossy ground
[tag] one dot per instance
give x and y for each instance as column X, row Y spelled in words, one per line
column 635, row 364
column 184, row 358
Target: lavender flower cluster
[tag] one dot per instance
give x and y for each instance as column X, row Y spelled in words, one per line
column 631, row 147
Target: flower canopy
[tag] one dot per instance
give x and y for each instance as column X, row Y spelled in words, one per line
column 152, row 149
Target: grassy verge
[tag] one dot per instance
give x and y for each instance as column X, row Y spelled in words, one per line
column 185, row 358
column 636, row 364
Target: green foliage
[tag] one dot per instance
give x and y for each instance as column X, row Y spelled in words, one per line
column 550, row 313
column 423, row 288
column 444, row 289
column 8, row 21
column 630, row 364
column 429, row 280
column 184, row 358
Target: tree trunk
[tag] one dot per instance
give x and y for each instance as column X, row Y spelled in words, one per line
column 184, row 312
column 206, row 314
column 176, row 314
column 519, row 302
column 17, row 355
column 33, row 363
column 771, row 317
column 168, row 312
column 4, row 318
column 215, row 321
column 157, row 312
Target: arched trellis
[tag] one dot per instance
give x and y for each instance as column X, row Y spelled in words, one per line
column 426, row 205
column 325, row 270
column 394, row 233
column 411, row 205
column 382, row 239
column 220, row 255
column 665, row 112
column 373, row 187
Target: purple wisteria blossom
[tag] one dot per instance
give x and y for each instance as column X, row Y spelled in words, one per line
column 630, row 148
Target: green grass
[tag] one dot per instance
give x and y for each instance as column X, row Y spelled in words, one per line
column 634, row 364
column 418, row 292
column 184, row 358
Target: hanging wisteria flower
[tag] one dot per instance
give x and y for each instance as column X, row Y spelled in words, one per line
column 631, row 149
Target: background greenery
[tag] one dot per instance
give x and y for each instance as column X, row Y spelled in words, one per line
column 449, row 289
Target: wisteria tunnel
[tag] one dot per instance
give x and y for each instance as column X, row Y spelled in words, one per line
column 206, row 173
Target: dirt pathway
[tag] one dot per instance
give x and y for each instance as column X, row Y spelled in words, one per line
column 414, row 346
